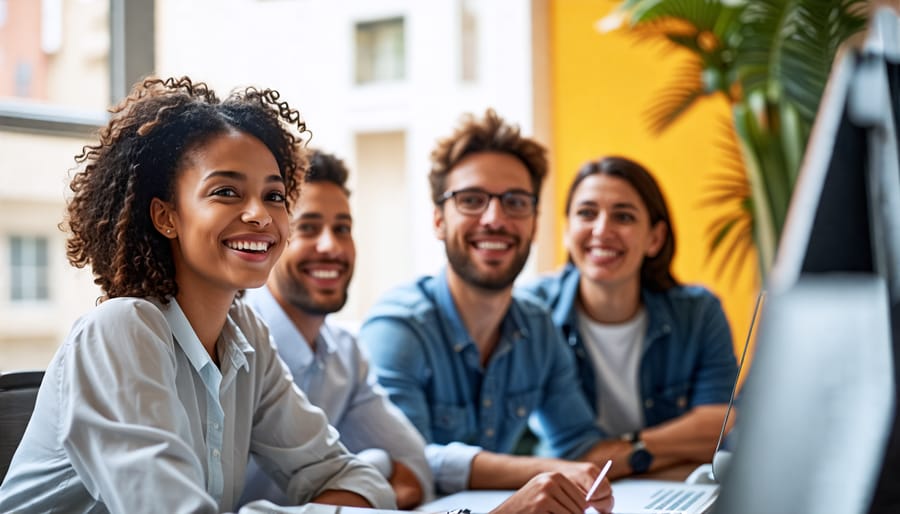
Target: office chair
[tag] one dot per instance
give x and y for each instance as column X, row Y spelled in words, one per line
column 18, row 392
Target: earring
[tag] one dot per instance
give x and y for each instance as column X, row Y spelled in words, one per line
column 168, row 231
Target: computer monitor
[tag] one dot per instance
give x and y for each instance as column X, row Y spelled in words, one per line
column 818, row 408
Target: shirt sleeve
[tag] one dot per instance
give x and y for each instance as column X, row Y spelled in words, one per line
column 399, row 362
column 372, row 421
column 121, row 423
column 717, row 369
column 564, row 418
column 293, row 442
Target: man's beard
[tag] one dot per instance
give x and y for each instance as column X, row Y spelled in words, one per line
column 463, row 266
column 298, row 296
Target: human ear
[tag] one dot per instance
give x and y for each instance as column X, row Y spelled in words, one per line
column 657, row 238
column 439, row 223
column 161, row 216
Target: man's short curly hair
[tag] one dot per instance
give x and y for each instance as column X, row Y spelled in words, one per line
column 138, row 156
column 491, row 133
column 326, row 167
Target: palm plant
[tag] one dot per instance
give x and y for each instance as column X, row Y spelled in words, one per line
column 770, row 60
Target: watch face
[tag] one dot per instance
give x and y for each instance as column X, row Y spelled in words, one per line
column 640, row 460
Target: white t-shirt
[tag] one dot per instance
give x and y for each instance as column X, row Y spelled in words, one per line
column 615, row 351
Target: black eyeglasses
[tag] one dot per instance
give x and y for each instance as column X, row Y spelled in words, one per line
column 472, row 202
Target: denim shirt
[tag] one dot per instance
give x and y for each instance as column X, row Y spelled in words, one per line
column 425, row 358
column 688, row 357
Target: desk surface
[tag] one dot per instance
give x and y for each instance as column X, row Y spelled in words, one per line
column 484, row 501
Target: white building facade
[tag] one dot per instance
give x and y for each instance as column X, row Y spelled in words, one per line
column 377, row 83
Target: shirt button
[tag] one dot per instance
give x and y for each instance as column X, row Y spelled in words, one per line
column 215, row 426
column 648, row 403
column 682, row 402
column 489, row 432
column 521, row 412
column 458, row 348
column 487, row 402
column 215, row 453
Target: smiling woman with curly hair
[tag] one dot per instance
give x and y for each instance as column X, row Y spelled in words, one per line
column 160, row 394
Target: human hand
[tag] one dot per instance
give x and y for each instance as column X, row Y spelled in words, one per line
column 406, row 487
column 554, row 492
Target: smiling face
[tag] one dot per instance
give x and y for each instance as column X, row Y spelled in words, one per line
column 609, row 232
column 228, row 222
column 317, row 265
column 488, row 250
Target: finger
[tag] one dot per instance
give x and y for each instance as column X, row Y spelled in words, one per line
column 605, row 505
column 569, row 496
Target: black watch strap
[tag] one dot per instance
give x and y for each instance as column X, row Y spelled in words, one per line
column 632, row 437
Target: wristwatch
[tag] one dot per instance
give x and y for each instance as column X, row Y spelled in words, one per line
column 640, row 458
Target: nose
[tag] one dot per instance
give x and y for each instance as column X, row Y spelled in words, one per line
column 493, row 214
column 601, row 224
column 327, row 242
column 257, row 214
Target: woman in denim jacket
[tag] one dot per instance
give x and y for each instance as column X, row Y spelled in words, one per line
column 655, row 357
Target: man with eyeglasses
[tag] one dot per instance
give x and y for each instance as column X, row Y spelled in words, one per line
column 468, row 361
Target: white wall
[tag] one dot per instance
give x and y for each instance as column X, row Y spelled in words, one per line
column 304, row 48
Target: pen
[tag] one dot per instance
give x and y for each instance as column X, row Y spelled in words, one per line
column 599, row 479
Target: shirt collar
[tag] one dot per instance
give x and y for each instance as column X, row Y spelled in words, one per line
column 292, row 346
column 235, row 343
column 512, row 327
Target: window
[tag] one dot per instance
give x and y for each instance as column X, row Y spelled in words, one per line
column 62, row 62
column 380, row 51
column 468, row 26
column 29, row 271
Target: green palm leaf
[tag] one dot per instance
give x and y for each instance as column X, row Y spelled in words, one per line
column 771, row 59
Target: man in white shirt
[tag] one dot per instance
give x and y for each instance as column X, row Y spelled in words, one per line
column 309, row 282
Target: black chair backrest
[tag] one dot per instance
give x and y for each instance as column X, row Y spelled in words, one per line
column 18, row 392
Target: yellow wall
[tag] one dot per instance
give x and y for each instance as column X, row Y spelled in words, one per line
column 602, row 85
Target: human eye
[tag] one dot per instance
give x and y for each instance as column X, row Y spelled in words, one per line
column 624, row 217
column 307, row 228
column 471, row 199
column 275, row 196
column 343, row 229
column 518, row 202
column 226, row 191
column 586, row 213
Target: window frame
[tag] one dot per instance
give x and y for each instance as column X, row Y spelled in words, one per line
column 131, row 57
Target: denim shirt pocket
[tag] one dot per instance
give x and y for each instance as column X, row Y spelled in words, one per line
column 669, row 402
column 448, row 423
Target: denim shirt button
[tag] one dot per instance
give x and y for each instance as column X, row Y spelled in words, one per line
column 682, row 402
column 521, row 411
column 489, row 432
column 648, row 403
column 487, row 402
column 457, row 347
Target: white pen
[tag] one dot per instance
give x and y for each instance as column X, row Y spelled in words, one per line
column 599, row 479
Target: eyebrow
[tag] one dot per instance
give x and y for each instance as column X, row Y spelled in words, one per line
column 239, row 175
column 318, row 216
column 619, row 205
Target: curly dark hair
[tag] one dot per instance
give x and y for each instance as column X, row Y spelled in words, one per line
column 656, row 271
column 326, row 167
column 139, row 154
column 491, row 133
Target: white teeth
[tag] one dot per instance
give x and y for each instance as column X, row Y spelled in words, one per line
column 324, row 273
column 253, row 246
column 491, row 245
column 601, row 252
